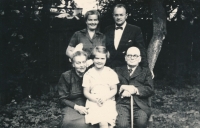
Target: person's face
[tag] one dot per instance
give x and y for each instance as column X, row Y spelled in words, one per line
column 92, row 22
column 99, row 60
column 132, row 58
column 119, row 16
column 79, row 63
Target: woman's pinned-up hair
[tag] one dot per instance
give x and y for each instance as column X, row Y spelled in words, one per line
column 100, row 49
column 92, row 12
column 78, row 53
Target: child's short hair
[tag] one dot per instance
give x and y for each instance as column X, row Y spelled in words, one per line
column 78, row 53
column 100, row 49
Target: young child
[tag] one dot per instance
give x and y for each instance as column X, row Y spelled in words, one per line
column 100, row 86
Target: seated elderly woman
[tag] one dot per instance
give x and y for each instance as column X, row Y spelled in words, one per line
column 71, row 93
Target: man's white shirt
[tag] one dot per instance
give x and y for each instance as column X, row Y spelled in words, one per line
column 118, row 35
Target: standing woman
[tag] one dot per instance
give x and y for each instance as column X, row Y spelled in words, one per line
column 88, row 38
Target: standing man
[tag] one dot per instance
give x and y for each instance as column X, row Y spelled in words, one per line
column 136, row 81
column 121, row 36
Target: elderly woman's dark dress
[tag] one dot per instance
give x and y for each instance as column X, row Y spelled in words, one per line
column 71, row 92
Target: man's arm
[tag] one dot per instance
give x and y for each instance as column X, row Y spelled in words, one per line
column 147, row 89
column 121, row 93
column 129, row 88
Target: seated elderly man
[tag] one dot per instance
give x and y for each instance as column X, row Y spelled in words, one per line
column 71, row 93
column 137, row 81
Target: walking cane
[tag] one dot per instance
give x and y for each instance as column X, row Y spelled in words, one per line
column 132, row 111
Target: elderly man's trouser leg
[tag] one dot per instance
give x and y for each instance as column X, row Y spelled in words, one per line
column 124, row 117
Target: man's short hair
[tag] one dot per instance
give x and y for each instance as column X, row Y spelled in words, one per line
column 92, row 12
column 78, row 53
column 100, row 49
column 120, row 6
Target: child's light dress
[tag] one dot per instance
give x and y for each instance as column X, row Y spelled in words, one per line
column 99, row 84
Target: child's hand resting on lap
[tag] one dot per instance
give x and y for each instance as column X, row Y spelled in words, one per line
column 101, row 100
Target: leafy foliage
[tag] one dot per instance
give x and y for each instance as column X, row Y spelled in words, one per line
column 186, row 9
column 40, row 113
column 25, row 48
column 141, row 9
column 136, row 9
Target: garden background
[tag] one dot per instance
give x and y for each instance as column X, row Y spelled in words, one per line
column 33, row 41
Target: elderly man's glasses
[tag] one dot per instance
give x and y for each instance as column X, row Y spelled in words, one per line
column 132, row 56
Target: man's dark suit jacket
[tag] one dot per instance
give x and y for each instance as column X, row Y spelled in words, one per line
column 141, row 79
column 132, row 36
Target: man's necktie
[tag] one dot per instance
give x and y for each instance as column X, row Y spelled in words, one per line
column 119, row 28
column 130, row 71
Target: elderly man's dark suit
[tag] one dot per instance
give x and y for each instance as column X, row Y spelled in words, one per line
column 142, row 80
column 131, row 36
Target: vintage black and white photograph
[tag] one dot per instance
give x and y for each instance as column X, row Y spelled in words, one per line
column 99, row 64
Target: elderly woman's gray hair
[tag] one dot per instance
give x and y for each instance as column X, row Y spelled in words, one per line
column 79, row 53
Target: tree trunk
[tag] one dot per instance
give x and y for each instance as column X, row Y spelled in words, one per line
column 159, row 32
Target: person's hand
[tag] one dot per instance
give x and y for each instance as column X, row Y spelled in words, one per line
column 102, row 99
column 89, row 62
column 82, row 110
column 152, row 74
column 130, row 88
column 125, row 94
column 98, row 101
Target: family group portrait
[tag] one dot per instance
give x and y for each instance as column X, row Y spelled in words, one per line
column 99, row 63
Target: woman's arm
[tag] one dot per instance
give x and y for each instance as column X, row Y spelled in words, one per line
column 69, row 51
column 72, row 44
column 64, row 90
